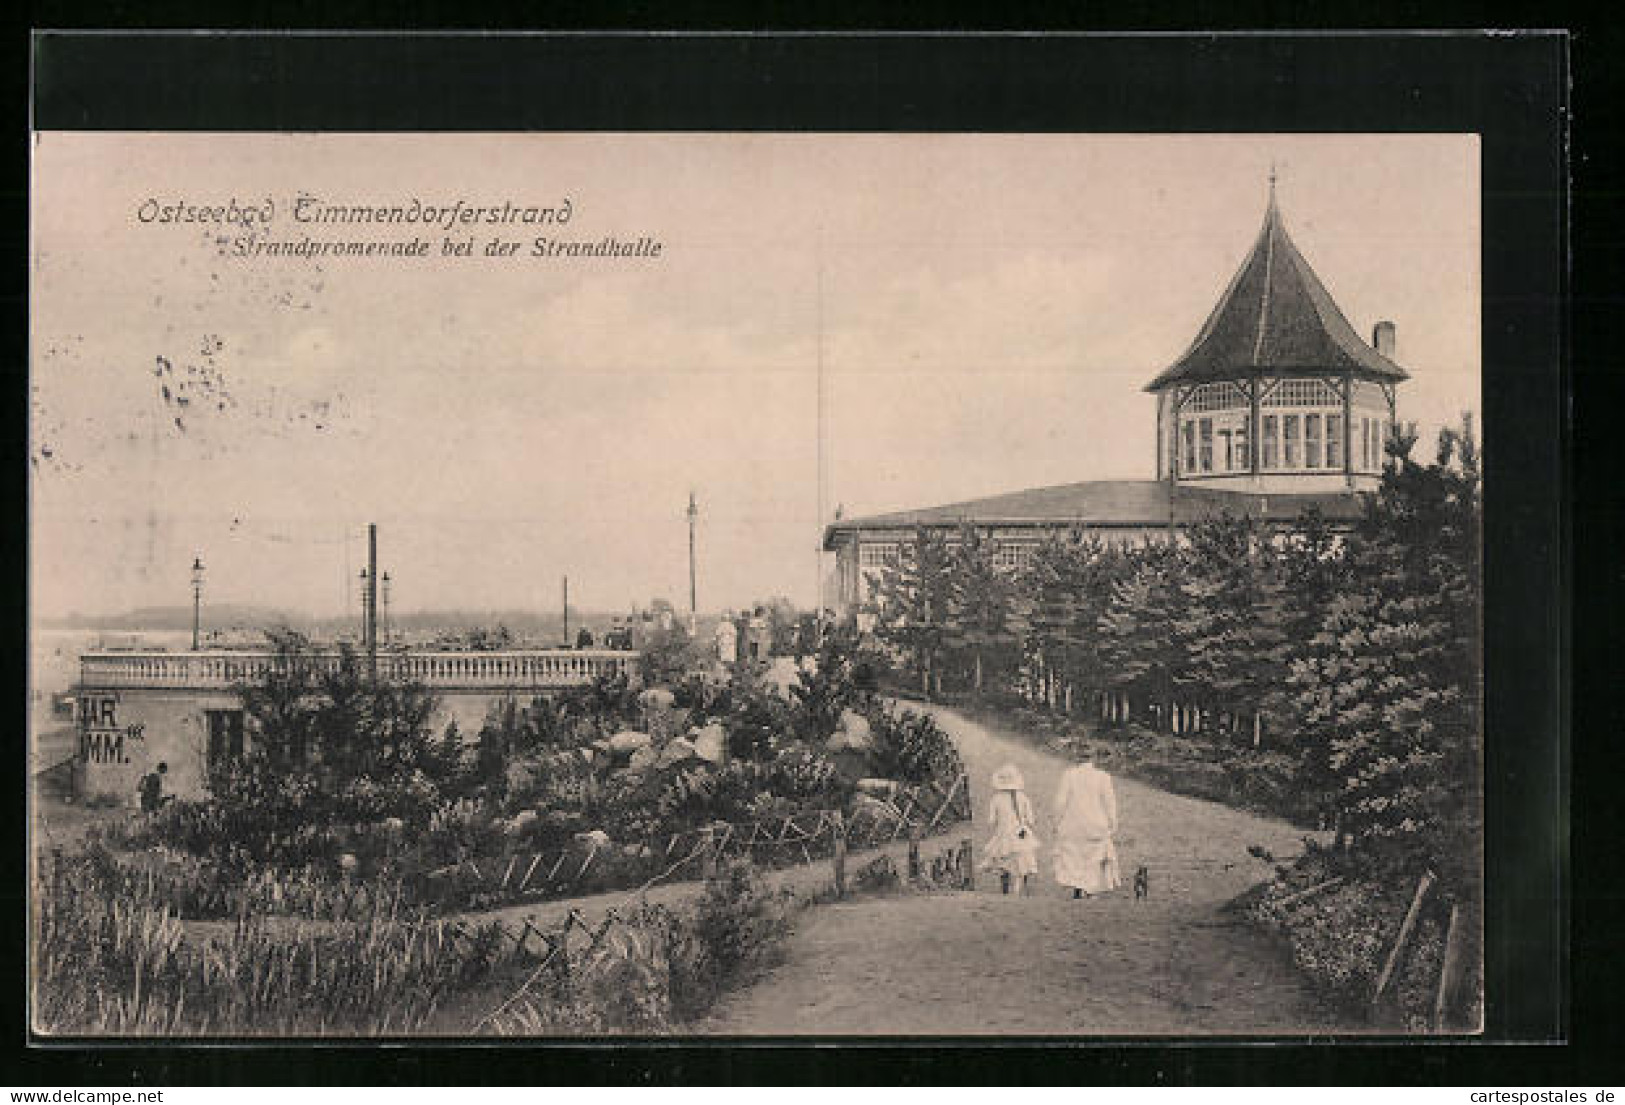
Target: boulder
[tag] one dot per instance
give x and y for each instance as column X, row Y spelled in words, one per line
column 521, row 821
column 628, row 741
column 711, row 743
column 676, row 751
column 596, row 838
column 852, row 732
column 645, row 757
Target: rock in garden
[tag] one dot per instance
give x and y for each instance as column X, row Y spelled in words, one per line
column 596, row 838
column 645, row 757
column 711, row 743
column 628, row 740
column 852, row 732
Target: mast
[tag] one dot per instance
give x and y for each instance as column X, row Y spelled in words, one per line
column 693, row 590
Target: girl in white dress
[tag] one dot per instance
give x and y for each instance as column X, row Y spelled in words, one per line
column 1085, row 822
column 1013, row 850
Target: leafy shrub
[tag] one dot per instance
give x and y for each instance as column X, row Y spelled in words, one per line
column 803, row 773
column 758, row 721
column 911, row 746
column 735, row 928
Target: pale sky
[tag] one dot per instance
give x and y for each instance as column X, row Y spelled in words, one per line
column 985, row 308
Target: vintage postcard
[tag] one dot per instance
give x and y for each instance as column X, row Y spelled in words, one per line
column 722, row 584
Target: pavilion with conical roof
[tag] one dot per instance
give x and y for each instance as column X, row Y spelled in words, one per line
column 1277, row 406
column 1278, row 393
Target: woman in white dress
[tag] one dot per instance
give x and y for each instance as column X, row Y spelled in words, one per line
column 1085, row 822
column 1013, row 850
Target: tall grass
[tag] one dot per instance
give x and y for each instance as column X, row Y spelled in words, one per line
column 111, row 965
column 105, row 965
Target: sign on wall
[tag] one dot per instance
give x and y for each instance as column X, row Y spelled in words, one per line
column 102, row 741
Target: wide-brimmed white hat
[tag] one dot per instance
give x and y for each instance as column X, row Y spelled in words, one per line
column 1008, row 777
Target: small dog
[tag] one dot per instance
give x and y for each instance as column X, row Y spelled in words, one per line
column 1142, row 882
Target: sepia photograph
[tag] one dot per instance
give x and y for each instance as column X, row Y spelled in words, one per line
column 755, row 585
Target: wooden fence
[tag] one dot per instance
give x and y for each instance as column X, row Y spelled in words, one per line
column 800, row 838
column 587, row 867
column 569, row 952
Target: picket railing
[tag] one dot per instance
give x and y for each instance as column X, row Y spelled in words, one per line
column 805, row 837
column 439, row 670
column 560, row 961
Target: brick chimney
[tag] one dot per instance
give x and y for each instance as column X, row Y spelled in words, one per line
column 1382, row 339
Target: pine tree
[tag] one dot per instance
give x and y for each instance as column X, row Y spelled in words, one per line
column 1064, row 593
column 1233, row 629
column 913, row 601
column 1139, row 629
column 982, row 596
column 1391, row 680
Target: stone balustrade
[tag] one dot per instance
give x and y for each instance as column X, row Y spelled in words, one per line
column 507, row 670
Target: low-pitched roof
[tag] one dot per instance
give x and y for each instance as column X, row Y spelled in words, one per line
column 1276, row 314
column 1115, row 503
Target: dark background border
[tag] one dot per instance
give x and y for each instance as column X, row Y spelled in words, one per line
column 1512, row 90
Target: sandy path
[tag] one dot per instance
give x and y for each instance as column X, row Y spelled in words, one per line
column 972, row 963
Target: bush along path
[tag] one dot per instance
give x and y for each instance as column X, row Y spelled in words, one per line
column 1174, row 963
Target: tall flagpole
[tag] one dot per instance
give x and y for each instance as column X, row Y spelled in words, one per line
column 693, row 590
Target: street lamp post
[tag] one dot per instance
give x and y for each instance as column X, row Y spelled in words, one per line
column 197, row 599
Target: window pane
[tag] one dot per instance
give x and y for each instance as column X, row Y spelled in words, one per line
column 1334, row 441
column 1190, row 447
column 1289, row 431
column 1225, row 439
column 1269, row 441
column 1311, row 441
column 1243, row 460
column 1207, row 444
